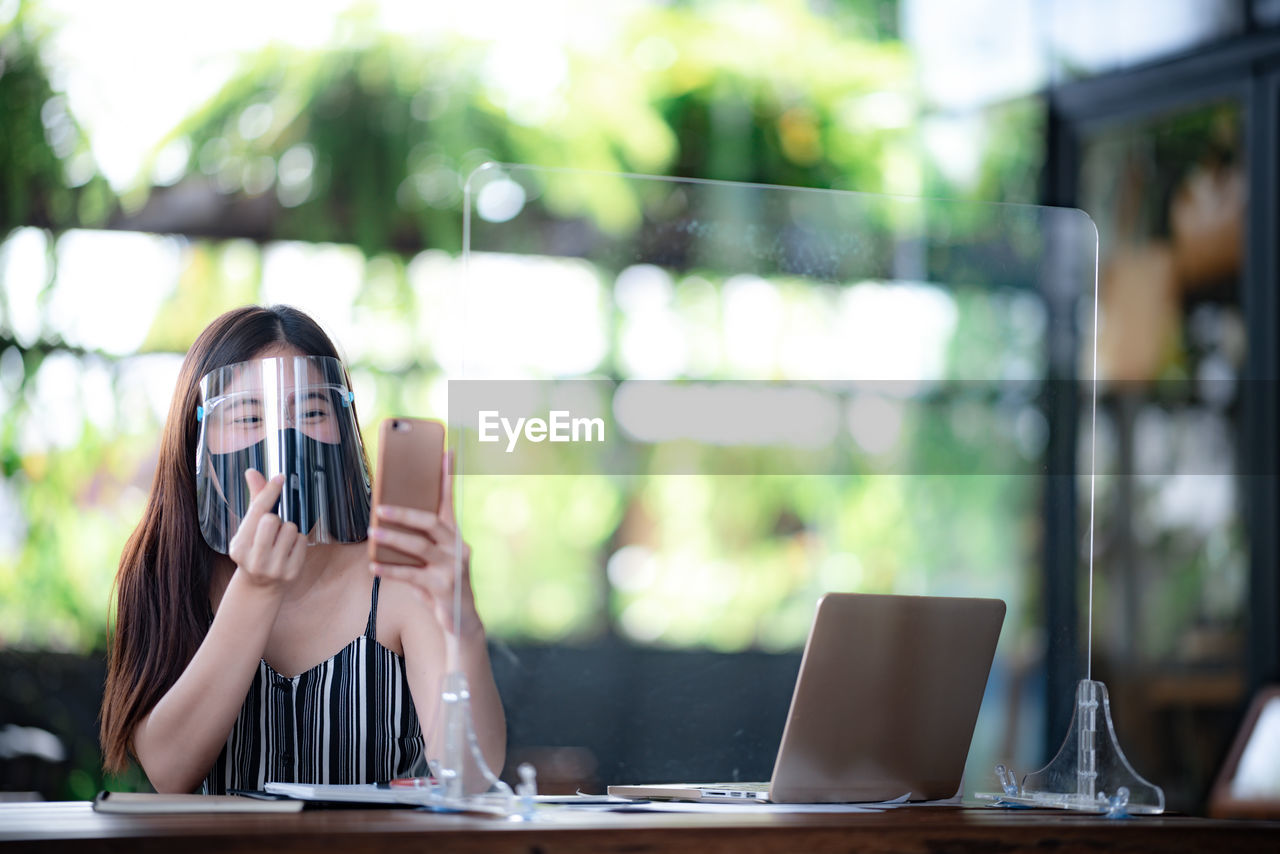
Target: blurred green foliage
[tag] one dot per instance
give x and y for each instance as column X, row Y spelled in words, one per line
column 370, row 143
column 51, row 558
column 46, row 174
column 764, row 545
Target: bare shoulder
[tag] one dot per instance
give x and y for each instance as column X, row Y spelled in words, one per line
column 406, row 620
column 398, row 605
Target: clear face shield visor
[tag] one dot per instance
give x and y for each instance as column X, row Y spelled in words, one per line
column 291, row 416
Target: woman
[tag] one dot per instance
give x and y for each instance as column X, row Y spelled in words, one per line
column 250, row 647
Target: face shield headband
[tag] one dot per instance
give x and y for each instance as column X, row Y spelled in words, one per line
column 293, row 416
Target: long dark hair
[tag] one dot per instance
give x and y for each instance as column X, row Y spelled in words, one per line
column 162, row 587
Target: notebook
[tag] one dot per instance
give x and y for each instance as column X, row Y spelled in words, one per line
column 884, row 704
column 147, row 802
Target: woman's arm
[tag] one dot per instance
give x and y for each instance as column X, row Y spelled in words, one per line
column 430, row 653
column 178, row 741
column 434, row 642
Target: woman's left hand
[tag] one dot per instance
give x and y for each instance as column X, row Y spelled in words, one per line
column 442, row 562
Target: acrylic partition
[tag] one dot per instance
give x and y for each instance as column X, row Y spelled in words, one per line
column 682, row 411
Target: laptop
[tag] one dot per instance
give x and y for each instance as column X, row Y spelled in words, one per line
column 884, row 704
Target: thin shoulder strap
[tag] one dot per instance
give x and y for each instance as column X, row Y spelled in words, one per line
column 371, row 630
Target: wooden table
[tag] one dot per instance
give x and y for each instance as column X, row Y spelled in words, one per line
column 74, row 826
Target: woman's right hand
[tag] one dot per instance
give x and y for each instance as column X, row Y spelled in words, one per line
column 179, row 739
column 268, row 551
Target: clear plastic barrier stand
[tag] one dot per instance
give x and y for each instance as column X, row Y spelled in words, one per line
column 1090, row 772
column 887, row 336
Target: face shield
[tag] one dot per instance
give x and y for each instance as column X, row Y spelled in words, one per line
column 293, row 416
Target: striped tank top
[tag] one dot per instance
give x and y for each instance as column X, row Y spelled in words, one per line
column 349, row 719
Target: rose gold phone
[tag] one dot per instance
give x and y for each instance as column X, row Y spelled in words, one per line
column 410, row 454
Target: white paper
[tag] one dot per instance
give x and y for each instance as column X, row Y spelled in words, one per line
column 744, row 808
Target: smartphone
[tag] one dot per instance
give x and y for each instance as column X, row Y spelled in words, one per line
column 410, row 474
